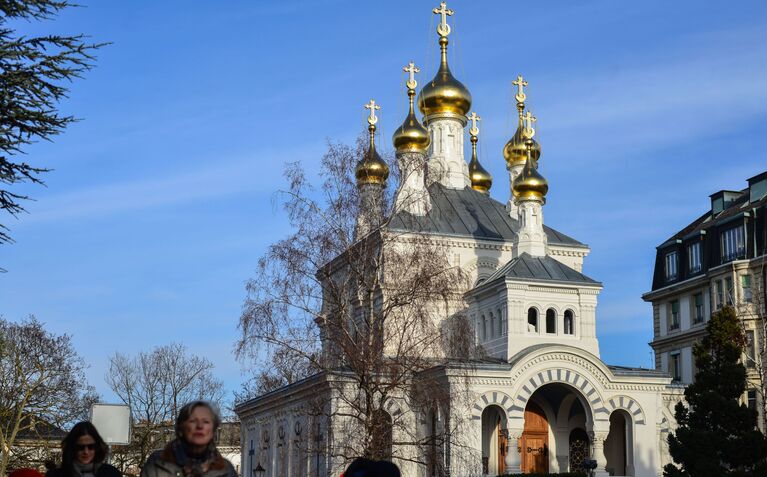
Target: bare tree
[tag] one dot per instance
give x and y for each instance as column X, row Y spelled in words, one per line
column 42, row 390
column 374, row 310
column 752, row 310
column 156, row 384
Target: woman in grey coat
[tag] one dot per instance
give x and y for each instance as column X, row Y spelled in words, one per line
column 193, row 453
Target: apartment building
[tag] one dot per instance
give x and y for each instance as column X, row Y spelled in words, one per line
column 717, row 260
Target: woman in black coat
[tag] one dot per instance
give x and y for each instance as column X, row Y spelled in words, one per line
column 83, row 452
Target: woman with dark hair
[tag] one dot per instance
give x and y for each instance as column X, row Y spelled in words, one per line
column 83, row 452
column 193, row 452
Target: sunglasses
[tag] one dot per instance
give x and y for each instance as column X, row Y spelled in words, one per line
column 82, row 447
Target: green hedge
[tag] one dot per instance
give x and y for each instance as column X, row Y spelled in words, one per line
column 561, row 474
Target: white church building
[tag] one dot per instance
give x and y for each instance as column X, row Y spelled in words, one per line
column 542, row 400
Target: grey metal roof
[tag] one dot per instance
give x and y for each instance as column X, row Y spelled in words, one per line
column 466, row 212
column 527, row 267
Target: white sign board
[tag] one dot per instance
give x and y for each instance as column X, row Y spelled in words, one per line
column 112, row 421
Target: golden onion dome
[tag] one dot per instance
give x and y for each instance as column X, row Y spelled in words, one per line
column 530, row 184
column 444, row 95
column 411, row 136
column 515, row 151
column 481, row 180
column 371, row 169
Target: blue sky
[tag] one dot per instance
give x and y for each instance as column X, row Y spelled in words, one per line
column 161, row 200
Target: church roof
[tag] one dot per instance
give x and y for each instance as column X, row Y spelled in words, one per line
column 546, row 269
column 469, row 213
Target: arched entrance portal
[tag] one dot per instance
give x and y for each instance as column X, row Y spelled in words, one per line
column 554, row 439
column 535, row 441
column 494, row 441
column 619, row 443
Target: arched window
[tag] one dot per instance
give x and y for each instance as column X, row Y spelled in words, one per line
column 569, row 323
column 484, row 328
column 532, row 320
column 381, row 438
column 551, row 321
column 500, row 324
column 492, row 325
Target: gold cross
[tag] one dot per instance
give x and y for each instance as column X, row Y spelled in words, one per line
column 372, row 106
column 520, row 83
column 529, row 120
column 443, row 28
column 412, row 69
column 474, row 130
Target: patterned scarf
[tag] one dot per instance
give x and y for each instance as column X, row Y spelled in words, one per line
column 194, row 465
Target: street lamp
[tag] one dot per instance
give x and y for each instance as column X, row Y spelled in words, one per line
column 259, row 471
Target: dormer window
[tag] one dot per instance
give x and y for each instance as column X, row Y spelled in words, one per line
column 733, row 244
column 693, row 257
column 671, row 266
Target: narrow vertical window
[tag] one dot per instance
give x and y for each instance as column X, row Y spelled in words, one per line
column 719, row 294
column 671, row 266
column 532, row 320
column 551, row 321
column 693, row 257
column 675, row 367
column 733, row 244
column 751, row 397
column 750, row 349
column 745, row 285
column 673, row 322
column 698, row 308
column 728, row 291
column 569, row 330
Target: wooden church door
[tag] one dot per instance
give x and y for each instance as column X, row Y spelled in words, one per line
column 502, row 443
column 535, row 441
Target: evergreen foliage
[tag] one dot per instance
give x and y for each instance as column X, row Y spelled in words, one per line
column 716, row 434
column 34, row 72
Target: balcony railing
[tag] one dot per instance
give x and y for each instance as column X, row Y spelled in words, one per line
column 734, row 255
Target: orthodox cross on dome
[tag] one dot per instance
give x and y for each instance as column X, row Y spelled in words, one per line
column 443, row 28
column 372, row 106
column 474, row 130
column 529, row 120
column 520, row 83
column 412, row 69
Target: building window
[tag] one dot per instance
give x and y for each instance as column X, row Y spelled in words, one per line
column 569, row 322
column 671, row 266
column 697, row 301
column 500, row 323
column 728, row 291
column 491, row 323
column 675, row 366
column 751, row 396
column 551, row 321
column 532, row 320
column 673, row 321
column 693, row 257
column 745, row 285
column 482, row 328
column 733, row 244
column 750, row 349
column 719, row 294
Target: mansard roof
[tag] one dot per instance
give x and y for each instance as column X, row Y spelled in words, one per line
column 469, row 213
column 540, row 269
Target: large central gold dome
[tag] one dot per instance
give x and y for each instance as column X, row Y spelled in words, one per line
column 444, row 95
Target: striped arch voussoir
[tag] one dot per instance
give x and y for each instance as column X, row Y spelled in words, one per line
column 628, row 405
column 491, row 398
column 564, row 376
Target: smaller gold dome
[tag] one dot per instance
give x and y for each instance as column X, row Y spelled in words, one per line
column 481, row 180
column 530, row 184
column 411, row 136
column 515, row 151
column 444, row 95
column 371, row 169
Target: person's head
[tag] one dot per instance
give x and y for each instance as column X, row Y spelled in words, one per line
column 83, row 445
column 362, row 467
column 197, row 423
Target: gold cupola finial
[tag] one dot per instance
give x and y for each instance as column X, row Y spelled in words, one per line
column 444, row 96
column 515, row 151
column 411, row 136
column 481, row 180
column 371, row 169
column 530, row 184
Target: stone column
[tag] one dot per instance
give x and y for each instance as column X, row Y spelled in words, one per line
column 513, row 458
column 598, row 452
